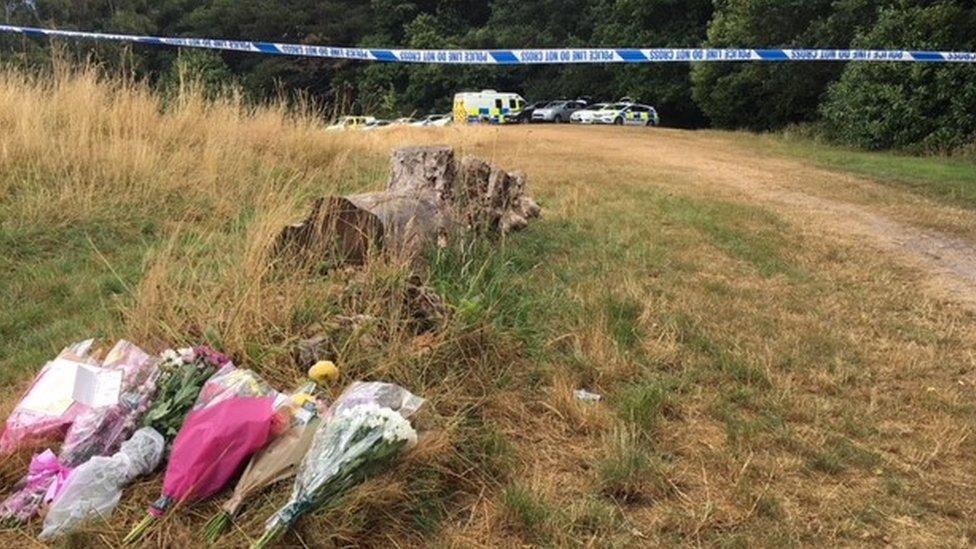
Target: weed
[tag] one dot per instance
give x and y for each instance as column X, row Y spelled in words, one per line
column 528, row 511
column 628, row 472
column 643, row 404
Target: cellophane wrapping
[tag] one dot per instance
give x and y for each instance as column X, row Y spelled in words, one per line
column 94, row 489
column 366, row 431
column 94, row 432
column 27, row 426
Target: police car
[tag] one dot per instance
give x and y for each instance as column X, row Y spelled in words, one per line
column 627, row 114
column 585, row 116
column 487, row 106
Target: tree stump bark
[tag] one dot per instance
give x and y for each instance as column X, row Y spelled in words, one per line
column 430, row 196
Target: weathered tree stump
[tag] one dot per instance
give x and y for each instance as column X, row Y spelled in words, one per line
column 338, row 229
column 430, row 196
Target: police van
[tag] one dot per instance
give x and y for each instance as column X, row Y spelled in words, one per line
column 486, row 106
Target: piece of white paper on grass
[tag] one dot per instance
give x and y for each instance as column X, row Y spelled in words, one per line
column 97, row 387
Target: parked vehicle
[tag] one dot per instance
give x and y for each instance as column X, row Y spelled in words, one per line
column 433, row 120
column 525, row 115
column 585, row 116
column 557, row 111
column 487, row 106
column 404, row 121
column 350, row 122
column 377, row 124
column 628, row 114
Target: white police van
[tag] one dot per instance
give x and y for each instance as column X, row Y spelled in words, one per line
column 488, row 106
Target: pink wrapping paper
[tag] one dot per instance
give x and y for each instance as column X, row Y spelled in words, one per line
column 214, row 445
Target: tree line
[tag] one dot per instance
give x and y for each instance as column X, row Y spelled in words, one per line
column 920, row 107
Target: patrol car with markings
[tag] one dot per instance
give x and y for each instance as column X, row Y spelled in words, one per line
column 627, row 114
column 487, row 106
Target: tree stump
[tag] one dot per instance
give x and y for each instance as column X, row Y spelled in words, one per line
column 430, row 196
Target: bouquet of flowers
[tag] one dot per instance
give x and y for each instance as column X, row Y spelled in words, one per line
column 368, row 429
column 232, row 419
column 44, row 415
column 94, row 432
column 182, row 373
column 94, row 488
column 277, row 462
column 100, row 431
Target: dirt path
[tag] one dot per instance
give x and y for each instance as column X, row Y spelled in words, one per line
column 947, row 264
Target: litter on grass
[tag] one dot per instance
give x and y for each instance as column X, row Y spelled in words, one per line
column 586, row 396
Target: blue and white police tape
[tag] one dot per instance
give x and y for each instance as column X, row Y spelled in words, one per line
column 518, row 57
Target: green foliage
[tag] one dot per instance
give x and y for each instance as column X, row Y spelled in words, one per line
column 528, row 510
column 201, row 70
column 925, row 108
column 643, row 404
column 764, row 96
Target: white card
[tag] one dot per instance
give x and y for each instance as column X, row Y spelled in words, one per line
column 97, row 387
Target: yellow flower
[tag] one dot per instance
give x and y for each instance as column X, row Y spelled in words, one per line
column 324, row 371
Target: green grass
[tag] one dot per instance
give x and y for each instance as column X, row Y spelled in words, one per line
column 62, row 285
column 630, row 471
column 643, row 404
column 746, row 369
column 946, row 180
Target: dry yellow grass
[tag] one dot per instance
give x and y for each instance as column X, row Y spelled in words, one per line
column 770, row 376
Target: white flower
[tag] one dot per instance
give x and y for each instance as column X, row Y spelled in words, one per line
column 394, row 426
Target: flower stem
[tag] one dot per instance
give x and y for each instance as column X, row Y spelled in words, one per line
column 216, row 527
column 268, row 537
column 139, row 530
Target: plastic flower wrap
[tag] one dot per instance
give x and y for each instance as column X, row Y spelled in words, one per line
column 275, row 463
column 100, row 431
column 94, row 489
column 233, row 418
column 45, row 412
column 367, row 430
column 94, row 432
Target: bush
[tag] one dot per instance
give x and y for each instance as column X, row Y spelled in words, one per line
column 764, row 96
column 925, row 108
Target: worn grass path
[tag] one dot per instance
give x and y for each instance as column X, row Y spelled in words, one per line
column 786, row 349
column 936, row 239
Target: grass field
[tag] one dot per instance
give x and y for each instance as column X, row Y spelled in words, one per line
column 771, row 374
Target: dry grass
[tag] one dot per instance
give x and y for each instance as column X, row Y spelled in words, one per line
column 764, row 382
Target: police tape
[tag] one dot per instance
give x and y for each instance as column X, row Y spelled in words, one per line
column 516, row 56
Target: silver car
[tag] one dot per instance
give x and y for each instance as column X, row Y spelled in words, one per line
column 557, row 111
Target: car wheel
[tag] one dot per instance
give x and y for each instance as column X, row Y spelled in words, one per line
column 618, row 121
column 558, row 119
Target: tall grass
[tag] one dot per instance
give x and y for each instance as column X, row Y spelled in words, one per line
column 172, row 208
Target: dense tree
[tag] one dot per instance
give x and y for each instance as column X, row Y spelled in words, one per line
column 766, row 96
column 914, row 106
